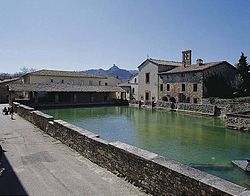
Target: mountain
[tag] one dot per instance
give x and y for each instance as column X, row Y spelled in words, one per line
column 115, row 71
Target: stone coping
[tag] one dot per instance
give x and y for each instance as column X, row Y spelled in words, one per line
column 134, row 150
column 26, row 107
column 75, row 128
column 39, row 113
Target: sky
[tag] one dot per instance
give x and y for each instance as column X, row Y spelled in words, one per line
column 86, row 34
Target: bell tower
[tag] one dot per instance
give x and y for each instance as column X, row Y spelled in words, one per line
column 186, row 57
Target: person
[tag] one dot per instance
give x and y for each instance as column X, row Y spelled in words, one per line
column 4, row 110
column 12, row 113
column 248, row 165
column 1, row 152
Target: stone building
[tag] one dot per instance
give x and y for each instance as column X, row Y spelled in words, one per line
column 131, row 89
column 134, row 87
column 4, row 92
column 66, row 87
column 149, row 83
column 189, row 83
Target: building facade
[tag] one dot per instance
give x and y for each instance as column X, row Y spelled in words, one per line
column 66, row 87
column 189, row 83
column 134, row 87
column 4, row 91
column 131, row 89
column 148, row 80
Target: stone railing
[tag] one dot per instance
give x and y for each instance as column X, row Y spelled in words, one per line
column 154, row 173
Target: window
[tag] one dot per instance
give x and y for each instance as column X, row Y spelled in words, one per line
column 147, row 77
column 183, row 88
column 51, row 80
column 106, row 84
column 133, row 90
column 100, row 83
column 62, row 81
column 161, row 87
column 90, row 82
column 188, row 100
column 135, row 80
column 195, row 87
column 147, row 96
column 195, row 100
column 182, row 75
column 168, row 87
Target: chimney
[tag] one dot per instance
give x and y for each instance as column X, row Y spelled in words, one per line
column 186, row 57
column 199, row 62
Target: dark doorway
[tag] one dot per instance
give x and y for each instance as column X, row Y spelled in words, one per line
column 172, row 99
column 164, row 98
column 147, row 94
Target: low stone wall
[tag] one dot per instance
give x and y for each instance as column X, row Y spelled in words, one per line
column 15, row 106
column 40, row 119
column 154, row 173
column 206, row 109
column 237, row 107
column 217, row 101
column 238, row 121
column 25, row 112
column 165, row 105
column 223, row 102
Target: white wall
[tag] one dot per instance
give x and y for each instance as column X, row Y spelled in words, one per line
column 152, row 86
column 134, row 85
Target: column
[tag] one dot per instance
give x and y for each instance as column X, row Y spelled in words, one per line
column 56, row 98
column 75, row 98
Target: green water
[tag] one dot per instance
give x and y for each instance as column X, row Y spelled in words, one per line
column 200, row 142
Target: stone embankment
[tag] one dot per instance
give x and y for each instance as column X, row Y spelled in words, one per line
column 239, row 121
column 154, row 173
column 204, row 109
column 235, row 112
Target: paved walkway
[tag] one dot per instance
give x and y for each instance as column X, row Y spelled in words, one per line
column 37, row 164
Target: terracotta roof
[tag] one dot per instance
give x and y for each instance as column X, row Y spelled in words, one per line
column 45, row 72
column 62, row 88
column 161, row 62
column 194, row 67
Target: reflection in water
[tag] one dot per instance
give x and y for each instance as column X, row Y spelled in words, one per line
column 198, row 141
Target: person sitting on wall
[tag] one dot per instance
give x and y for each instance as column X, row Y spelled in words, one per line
column 4, row 110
